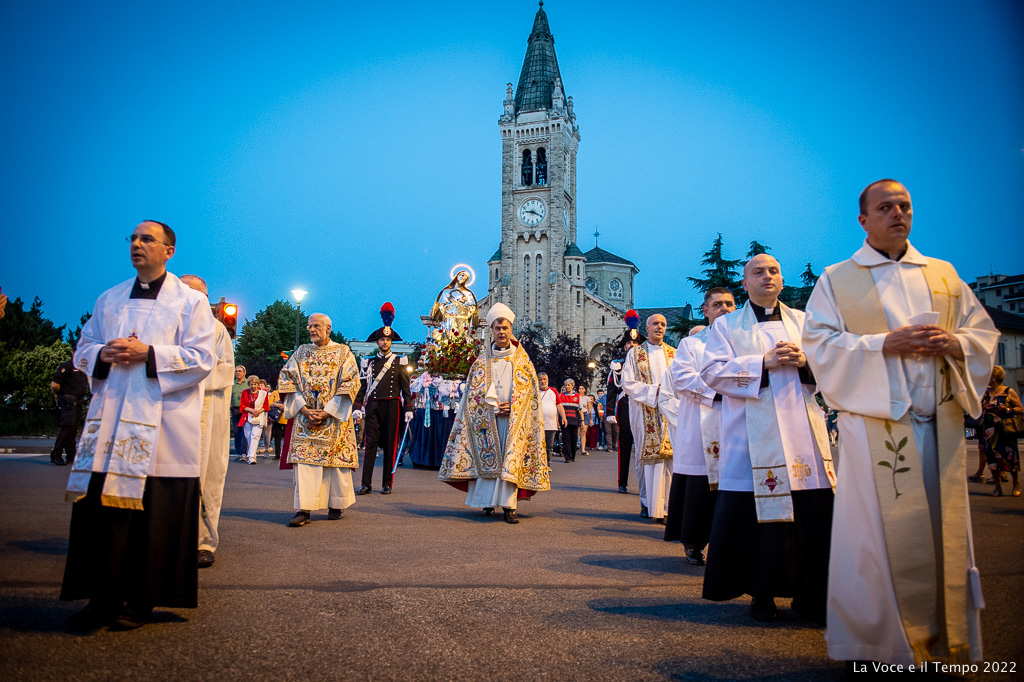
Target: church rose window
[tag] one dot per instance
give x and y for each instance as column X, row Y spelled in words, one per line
column 615, row 289
column 592, row 285
column 527, row 168
column 542, row 167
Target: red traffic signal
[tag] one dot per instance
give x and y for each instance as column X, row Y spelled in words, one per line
column 227, row 313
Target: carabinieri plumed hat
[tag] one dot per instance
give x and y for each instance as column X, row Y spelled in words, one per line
column 387, row 316
column 632, row 326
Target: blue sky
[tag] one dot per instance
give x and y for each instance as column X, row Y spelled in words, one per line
column 352, row 149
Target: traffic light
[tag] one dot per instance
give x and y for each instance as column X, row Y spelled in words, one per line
column 227, row 313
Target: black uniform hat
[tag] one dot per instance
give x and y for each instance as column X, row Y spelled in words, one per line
column 632, row 329
column 387, row 316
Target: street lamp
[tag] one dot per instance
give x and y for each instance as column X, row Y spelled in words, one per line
column 298, row 294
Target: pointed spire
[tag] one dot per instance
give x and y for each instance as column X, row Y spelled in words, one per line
column 540, row 68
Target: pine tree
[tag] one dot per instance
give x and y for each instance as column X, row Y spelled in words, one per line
column 808, row 277
column 757, row 248
column 26, row 329
column 75, row 334
column 720, row 271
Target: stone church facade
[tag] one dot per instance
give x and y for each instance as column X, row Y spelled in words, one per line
column 539, row 270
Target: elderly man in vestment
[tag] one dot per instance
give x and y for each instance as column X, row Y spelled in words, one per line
column 902, row 348
column 652, row 415
column 318, row 384
column 773, row 512
column 147, row 349
column 495, row 451
column 215, row 432
column 691, row 502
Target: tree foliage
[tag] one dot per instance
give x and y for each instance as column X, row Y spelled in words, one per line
column 75, row 334
column 533, row 344
column 808, row 277
column 564, row 358
column 757, row 248
column 263, row 337
column 720, row 271
column 681, row 327
column 22, row 328
column 25, row 374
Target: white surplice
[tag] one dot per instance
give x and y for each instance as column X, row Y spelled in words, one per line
column 856, row 378
column 181, row 366
column 216, row 434
column 688, row 455
column 495, row 492
column 738, row 379
column 657, row 476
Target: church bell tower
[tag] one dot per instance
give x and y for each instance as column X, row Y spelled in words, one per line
column 538, row 269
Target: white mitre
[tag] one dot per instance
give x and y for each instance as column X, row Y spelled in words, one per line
column 499, row 310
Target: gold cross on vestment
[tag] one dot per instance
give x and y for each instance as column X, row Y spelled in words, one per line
column 949, row 305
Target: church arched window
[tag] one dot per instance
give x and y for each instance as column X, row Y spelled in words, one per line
column 615, row 289
column 526, row 287
column 579, row 298
column 577, row 270
column 527, row 168
column 538, row 263
column 542, row 167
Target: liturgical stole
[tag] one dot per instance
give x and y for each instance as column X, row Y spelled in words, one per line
column 925, row 585
column 772, row 492
column 656, row 444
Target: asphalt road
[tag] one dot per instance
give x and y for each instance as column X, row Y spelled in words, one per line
column 416, row 586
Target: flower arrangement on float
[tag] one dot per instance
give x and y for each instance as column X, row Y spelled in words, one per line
column 451, row 355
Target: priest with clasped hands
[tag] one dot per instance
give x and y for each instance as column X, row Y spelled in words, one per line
column 773, row 513
column 902, row 348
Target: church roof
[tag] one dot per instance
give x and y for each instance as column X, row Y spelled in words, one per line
column 599, row 255
column 496, row 256
column 573, row 251
column 1004, row 320
column 540, row 68
column 672, row 314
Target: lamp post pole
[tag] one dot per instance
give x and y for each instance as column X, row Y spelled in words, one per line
column 298, row 294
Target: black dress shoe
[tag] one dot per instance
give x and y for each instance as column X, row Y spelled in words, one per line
column 205, row 558
column 59, row 461
column 94, row 616
column 301, row 518
column 364, row 490
column 334, row 514
column 386, row 490
column 132, row 619
column 694, row 557
column 763, row 609
column 644, row 514
column 624, row 490
column 510, row 516
column 812, row 610
column 488, row 511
